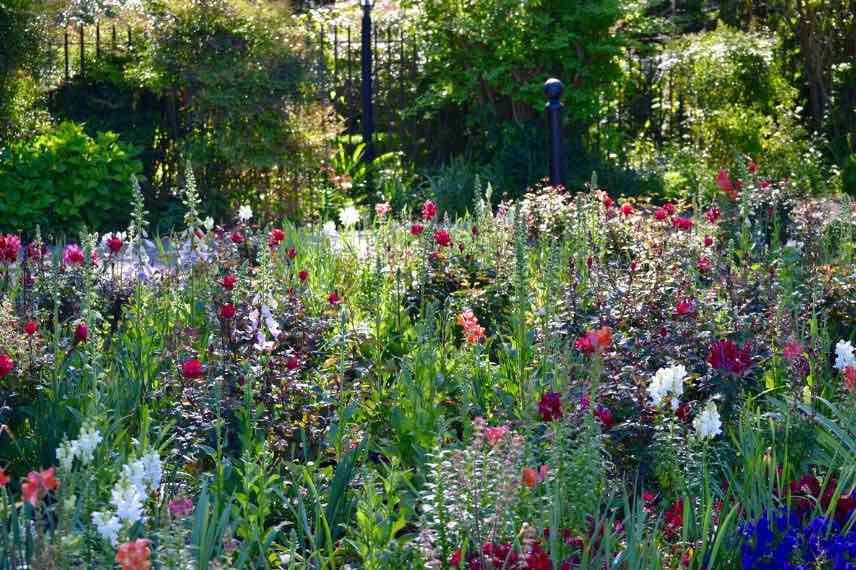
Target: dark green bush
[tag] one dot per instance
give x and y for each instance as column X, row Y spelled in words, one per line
column 64, row 180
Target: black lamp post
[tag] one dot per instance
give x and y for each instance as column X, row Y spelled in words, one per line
column 368, row 108
column 553, row 89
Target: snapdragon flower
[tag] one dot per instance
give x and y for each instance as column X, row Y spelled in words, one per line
column 668, row 381
column 108, row 526
column 707, row 424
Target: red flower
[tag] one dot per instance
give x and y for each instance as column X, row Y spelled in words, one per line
column 537, row 559
column 292, row 363
column 723, row 180
column 626, row 209
column 529, row 477
column 237, row 238
column 685, row 307
column 442, row 238
column 674, row 516
column 708, row 241
column 604, row 416
column 726, row 356
column 276, row 236
column 333, row 298
column 81, row 332
column 607, row 201
column 73, row 255
column 229, row 282
column 495, row 434
column 455, row 559
column 6, row 365
column 793, row 350
column 291, row 253
column 38, row 484
column 704, row 264
column 227, row 311
column 4, row 479
column 849, row 374
column 416, row 229
column 192, row 369
column 683, row 224
column 660, row 214
column 764, row 184
column 429, row 210
column 670, row 208
column 36, row 251
column 498, row 555
column 9, row 247
column 31, row 328
column 713, row 214
column 114, row 244
column 752, row 167
column 550, row 407
column 303, row 276
column 594, row 341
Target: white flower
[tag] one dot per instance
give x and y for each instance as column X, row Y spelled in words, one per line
column 668, row 381
column 86, row 444
column 245, row 213
column 208, row 223
column 329, row 230
column 128, row 500
column 65, row 454
column 844, row 355
column 152, row 467
column 108, row 526
column 707, row 423
column 349, row 217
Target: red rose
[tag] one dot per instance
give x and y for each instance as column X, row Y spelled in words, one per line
column 192, row 369
column 6, row 365
column 550, row 407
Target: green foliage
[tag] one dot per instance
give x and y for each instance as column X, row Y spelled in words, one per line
column 66, row 180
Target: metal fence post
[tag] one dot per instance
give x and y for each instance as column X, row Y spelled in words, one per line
column 553, row 89
column 368, row 109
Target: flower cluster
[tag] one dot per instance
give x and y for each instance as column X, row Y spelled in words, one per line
column 138, row 479
column 668, row 382
column 468, row 321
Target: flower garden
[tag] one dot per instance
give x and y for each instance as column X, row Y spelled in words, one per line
column 344, row 284
column 564, row 381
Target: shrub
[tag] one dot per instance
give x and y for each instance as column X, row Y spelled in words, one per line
column 65, row 180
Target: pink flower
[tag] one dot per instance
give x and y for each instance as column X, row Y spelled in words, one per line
column 9, row 247
column 292, row 362
column 752, row 167
column 683, row 224
column 660, row 214
column 712, row 215
column 708, row 241
column 495, row 434
column 608, row 202
column 134, row 555
column 81, row 332
column 723, row 180
column 291, row 253
column 382, row 209
column 594, row 341
column 793, row 350
column 73, row 255
column 36, row 251
column 227, row 311
column 470, row 323
column 429, row 210
column 38, row 484
column 849, row 374
column 726, row 356
column 333, row 298
column 6, row 365
column 550, row 407
column 192, row 369
column 670, row 208
column 114, row 244
column 442, row 238
column 764, row 184
column 704, row 264
column 685, row 307
column 416, row 229
column 181, row 508
column 275, row 238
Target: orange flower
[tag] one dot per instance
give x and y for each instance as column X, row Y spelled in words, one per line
column 602, row 337
column 134, row 555
column 470, row 323
column 531, row 477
